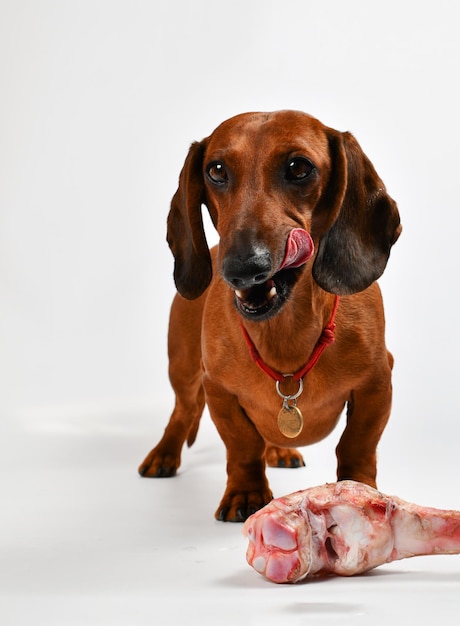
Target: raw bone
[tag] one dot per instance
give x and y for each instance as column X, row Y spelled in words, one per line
column 343, row 528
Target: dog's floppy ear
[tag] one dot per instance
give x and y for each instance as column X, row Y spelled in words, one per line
column 354, row 250
column 186, row 236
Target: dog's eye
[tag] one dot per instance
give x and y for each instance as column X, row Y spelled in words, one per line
column 217, row 173
column 299, row 169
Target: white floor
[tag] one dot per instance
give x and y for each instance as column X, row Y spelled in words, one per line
column 85, row 540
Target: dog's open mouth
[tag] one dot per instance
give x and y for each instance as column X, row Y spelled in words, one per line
column 265, row 300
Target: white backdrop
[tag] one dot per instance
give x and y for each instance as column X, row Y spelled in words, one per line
column 99, row 101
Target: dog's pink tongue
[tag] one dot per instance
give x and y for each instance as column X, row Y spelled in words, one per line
column 299, row 248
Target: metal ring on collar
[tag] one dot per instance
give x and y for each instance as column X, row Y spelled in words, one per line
column 295, row 395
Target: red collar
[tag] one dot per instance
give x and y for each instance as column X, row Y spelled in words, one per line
column 326, row 338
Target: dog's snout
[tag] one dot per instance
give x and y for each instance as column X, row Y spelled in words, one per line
column 243, row 272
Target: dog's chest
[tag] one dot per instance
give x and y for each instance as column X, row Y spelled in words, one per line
column 301, row 420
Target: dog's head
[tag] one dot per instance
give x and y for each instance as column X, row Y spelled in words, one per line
column 285, row 193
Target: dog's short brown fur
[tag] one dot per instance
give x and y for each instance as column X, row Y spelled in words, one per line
column 261, row 175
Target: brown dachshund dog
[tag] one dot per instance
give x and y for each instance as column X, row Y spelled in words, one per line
column 281, row 325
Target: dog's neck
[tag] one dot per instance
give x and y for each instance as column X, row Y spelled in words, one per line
column 297, row 329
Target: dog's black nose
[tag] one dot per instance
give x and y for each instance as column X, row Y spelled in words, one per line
column 246, row 271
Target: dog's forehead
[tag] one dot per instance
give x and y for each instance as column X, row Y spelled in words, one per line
column 279, row 131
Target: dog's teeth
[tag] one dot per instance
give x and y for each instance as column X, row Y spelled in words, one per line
column 272, row 293
column 239, row 294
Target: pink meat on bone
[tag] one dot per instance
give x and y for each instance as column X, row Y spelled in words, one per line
column 299, row 249
column 343, row 528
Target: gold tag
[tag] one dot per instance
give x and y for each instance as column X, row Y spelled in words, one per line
column 290, row 421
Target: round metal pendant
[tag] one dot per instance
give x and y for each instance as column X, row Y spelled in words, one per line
column 290, row 421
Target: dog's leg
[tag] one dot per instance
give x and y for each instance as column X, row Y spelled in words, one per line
column 185, row 373
column 247, row 485
column 367, row 415
column 283, row 457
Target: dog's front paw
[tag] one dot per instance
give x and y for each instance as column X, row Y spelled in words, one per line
column 237, row 507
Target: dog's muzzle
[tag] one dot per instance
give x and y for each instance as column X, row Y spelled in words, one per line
column 260, row 293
